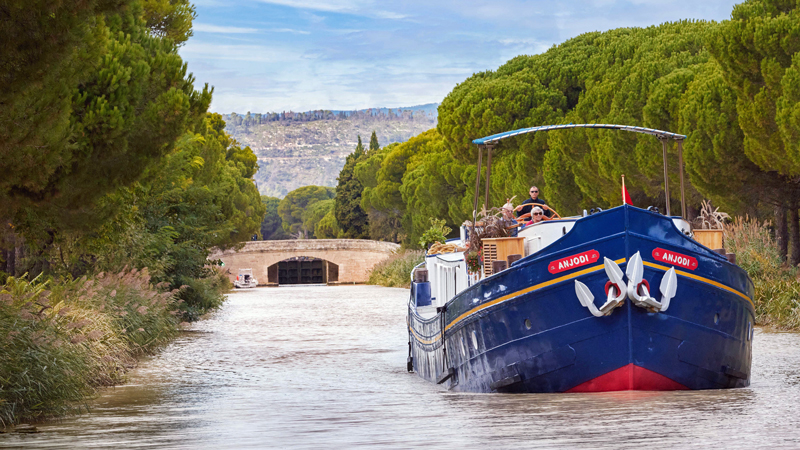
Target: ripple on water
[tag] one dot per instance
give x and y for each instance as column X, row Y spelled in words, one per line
column 310, row 367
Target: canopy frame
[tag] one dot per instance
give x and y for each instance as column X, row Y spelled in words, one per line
column 663, row 136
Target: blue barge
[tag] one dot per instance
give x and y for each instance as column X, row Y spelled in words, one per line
column 670, row 313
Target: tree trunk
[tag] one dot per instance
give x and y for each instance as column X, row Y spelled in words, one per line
column 19, row 255
column 11, row 262
column 691, row 213
column 781, row 232
column 794, row 236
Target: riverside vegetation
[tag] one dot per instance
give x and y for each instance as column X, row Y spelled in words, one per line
column 777, row 286
column 116, row 185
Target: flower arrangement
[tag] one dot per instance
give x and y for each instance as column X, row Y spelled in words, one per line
column 473, row 259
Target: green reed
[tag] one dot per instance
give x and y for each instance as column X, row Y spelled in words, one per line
column 63, row 340
column 396, row 271
column 777, row 288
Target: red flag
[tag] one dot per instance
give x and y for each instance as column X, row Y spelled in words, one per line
column 625, row 197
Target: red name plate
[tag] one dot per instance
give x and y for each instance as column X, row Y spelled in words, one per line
column 674, row 258
column 571, row 262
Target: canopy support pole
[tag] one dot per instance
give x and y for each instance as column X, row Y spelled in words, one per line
column 664, row 142
column 680, row 167
column 477, row 186
column 488, row 175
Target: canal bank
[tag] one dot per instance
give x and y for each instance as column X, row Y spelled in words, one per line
column 321, row 366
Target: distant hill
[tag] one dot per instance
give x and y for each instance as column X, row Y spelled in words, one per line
column 309, row 148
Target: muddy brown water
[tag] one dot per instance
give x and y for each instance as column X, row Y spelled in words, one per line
column 324, row 367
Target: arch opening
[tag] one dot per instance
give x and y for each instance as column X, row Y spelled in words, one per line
column 303, row 270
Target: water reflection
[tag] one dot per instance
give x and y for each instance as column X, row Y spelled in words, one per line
column 307, row 367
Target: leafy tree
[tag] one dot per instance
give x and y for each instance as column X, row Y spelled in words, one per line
column 349, row 215
column 296, row 203
column 195, row 200
column 435, row 186
column 271, row 226
column 314, row 214
column 328, row 228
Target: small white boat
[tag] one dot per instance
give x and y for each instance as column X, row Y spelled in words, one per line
column 245, row 279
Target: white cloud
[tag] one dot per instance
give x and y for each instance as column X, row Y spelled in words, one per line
column 209, row 52
column 289, row 30
column 209, row 28
column 357, row 7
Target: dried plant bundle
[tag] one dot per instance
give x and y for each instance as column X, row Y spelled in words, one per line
column 710, row 218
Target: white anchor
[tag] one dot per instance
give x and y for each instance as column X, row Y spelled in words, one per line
column 614, row 297
column 637, row 289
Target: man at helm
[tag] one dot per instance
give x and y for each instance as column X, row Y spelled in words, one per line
column 524, row 209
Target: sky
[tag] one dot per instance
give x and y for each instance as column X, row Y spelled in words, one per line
column 301, row 55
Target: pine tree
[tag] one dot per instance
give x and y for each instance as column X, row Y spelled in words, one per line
column 347, row 210
column 759, row 55
column 94, row 121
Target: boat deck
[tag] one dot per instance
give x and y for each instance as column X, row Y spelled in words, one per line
column 426, row 312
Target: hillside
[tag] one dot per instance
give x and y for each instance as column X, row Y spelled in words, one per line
column 309, row 148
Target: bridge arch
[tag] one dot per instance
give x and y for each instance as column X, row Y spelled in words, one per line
column 352, row 259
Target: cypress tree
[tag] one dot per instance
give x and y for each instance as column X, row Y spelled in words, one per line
column 373, row 144
column 347, row 210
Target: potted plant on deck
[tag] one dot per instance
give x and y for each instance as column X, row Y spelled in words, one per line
column 708, row 226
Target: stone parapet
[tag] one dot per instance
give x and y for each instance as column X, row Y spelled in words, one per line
column 354, row 258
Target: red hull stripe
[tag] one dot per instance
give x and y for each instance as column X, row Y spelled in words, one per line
column 629, row 378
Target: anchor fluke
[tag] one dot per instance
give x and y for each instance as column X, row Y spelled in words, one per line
column 668, row 288
column 615, row 275
column 586, row 298
column 639, row 289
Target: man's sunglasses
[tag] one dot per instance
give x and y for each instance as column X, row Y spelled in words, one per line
column 533, row 192
column 537, row 214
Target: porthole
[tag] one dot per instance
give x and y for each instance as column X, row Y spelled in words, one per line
column 528, row 324
column 716, row 319
column 475, row 340
column 749, row 330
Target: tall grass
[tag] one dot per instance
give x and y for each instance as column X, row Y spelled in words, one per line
column 63, row 340
column 201, row 295
column 396, row 271
column 777, row 288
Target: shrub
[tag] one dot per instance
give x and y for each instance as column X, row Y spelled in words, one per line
column 436, row 233
column 396, row 271
column 201, row 295
column 777, row 289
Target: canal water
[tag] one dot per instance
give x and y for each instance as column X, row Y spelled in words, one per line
column 325, row 367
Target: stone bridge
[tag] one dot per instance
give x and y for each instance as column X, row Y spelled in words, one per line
column 331, row 261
